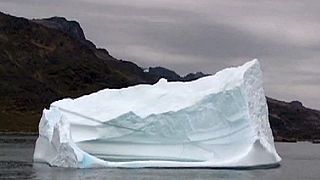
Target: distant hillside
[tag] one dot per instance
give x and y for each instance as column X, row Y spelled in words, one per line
column 39, row 65
column 292, row 121
column 171, row 75
column 43, row 60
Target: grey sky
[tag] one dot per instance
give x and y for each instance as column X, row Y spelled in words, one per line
column 203, row 35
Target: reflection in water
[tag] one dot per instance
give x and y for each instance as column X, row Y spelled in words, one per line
column 300, row 161
column 43, row 171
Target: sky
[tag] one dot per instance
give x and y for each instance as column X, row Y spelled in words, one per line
column 203, row 35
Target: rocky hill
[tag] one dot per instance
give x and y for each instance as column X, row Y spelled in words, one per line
column 292, row 121
column 171, row 75
column 42, row 60
column 39, row 64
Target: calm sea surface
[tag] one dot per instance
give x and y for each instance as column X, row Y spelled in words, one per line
column 300, row 161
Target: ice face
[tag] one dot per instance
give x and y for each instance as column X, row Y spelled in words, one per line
column 215, row 121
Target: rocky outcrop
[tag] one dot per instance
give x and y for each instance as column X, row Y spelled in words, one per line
column 292, row 121
column 72, row 28
column 161, row 72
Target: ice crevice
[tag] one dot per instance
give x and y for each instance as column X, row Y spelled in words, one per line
column 215, row 121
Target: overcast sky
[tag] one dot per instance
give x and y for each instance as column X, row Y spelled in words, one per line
column 203, row 35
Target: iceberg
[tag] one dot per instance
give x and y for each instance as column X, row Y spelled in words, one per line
column 218, row 121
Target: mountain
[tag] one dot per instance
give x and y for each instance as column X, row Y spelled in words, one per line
column 171, row 75
column 43, row 60
column 72, row 28
column 292, row 121
column 39, row 65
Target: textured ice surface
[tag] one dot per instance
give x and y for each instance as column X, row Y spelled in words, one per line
column 215, row 121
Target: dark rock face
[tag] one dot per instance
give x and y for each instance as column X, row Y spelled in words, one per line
column 39, row 65
column 293, row 121
column 194, row 76
column 45, row 60
column 161, row 72
column 296, row 105
column 72, row 28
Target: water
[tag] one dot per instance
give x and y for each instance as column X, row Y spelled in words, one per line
column 300, row 161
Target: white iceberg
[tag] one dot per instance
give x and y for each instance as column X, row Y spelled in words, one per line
column 215, row 121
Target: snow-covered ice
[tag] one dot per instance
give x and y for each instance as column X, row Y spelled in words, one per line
column 216, row 121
